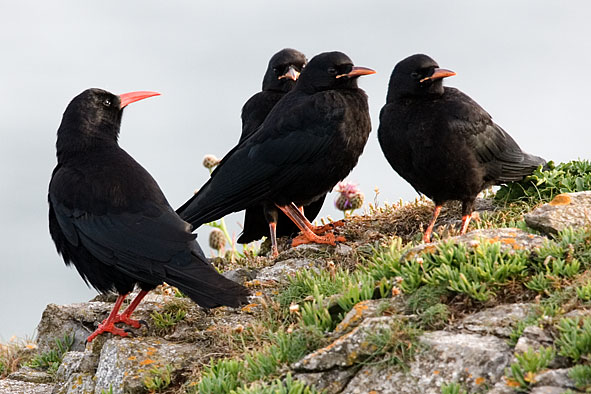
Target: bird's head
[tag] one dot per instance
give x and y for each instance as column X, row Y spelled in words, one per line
column 331, row 70
column 283, row 70
column 417, row 75
column 94, row 117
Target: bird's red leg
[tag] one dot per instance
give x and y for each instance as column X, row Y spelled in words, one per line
column 273, row 232
column 427, row 235
column 465, row 223
column 319, row 230
column 125, row 316
column 108, row 325
column 308, row 235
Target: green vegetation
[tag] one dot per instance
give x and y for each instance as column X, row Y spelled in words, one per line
column 581, row 375
column 225, row 375
column 544, row 185
column 574, row 341
column 452, row 388
column 172, row 313
column 529, row 364
column 158, row 379
column 286, row 386
column 51, row 360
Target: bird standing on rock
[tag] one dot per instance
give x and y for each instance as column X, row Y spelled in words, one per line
column 282, row 73
column 442, row 142
column 311, row 139
column 109, row 218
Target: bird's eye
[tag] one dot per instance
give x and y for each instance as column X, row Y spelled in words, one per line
column 415, row 75
column 332, row 71
column 107, row 102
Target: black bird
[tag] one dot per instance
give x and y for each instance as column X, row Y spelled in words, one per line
column 310, row 140
column 109, row 218
column 442, row 142
column 282, row 72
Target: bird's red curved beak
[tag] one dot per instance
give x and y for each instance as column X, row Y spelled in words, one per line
column 292, row 74
column 438, row 74
column 131, row 97
column 358, row 71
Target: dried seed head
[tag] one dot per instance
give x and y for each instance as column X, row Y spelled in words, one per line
column 217, row 240
column 210, row 161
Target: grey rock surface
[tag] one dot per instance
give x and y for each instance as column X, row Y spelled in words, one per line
column 125, row 363
column 511, row 239
column 568, row 209
column 473, row 360
column 498, row 320
column 332, row 381
column 9, row 386
column 347, row 349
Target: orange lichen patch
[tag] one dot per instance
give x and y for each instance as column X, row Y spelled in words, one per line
column 508, row 241
column 373, row 392
column 429, row 249
column 531, row 236
column 258, row 293
column 147, row 361
column 512, row 383
column 150, row 351
column 479, row 380
column 132, row 358
column 561, row 199
column 249, row 308
column 436, row 372
column 358, row 310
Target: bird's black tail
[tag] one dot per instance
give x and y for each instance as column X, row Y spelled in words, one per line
column 516, row 170
column 204, row 285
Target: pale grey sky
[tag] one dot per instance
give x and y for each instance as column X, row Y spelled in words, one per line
column 526, row 62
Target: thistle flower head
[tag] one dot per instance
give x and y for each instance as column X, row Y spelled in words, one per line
column 349, row 198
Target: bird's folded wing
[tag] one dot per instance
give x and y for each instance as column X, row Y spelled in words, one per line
column 251, row 172
column 134, row 242
column 493, row 146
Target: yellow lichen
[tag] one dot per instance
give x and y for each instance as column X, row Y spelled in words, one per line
column 561, row 199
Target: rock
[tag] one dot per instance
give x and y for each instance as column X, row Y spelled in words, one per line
column 74, row 362
column 332, row 382
column 27, row 374
column 347, row 349
column 510, row 238
column 78, row 383
column 9, row 386
column 555, row 378
column 364, row 310
column 502, row 388
column 474, row 361
column 125, row 363
column 240, row 275
column 497, row 321
column 282, row 269
column 308, row 250
column 81, row 319
column 547, row 390
column 565, row 210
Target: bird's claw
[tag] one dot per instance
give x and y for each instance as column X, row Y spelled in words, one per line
column 102, row 328
column 329, row 239
column 319, row 230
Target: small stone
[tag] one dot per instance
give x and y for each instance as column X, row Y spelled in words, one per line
column 565, row 210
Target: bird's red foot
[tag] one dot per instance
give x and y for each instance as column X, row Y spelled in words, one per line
column 329, row 238
column 319, row 230
column 122, row 318
column 107, row 327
